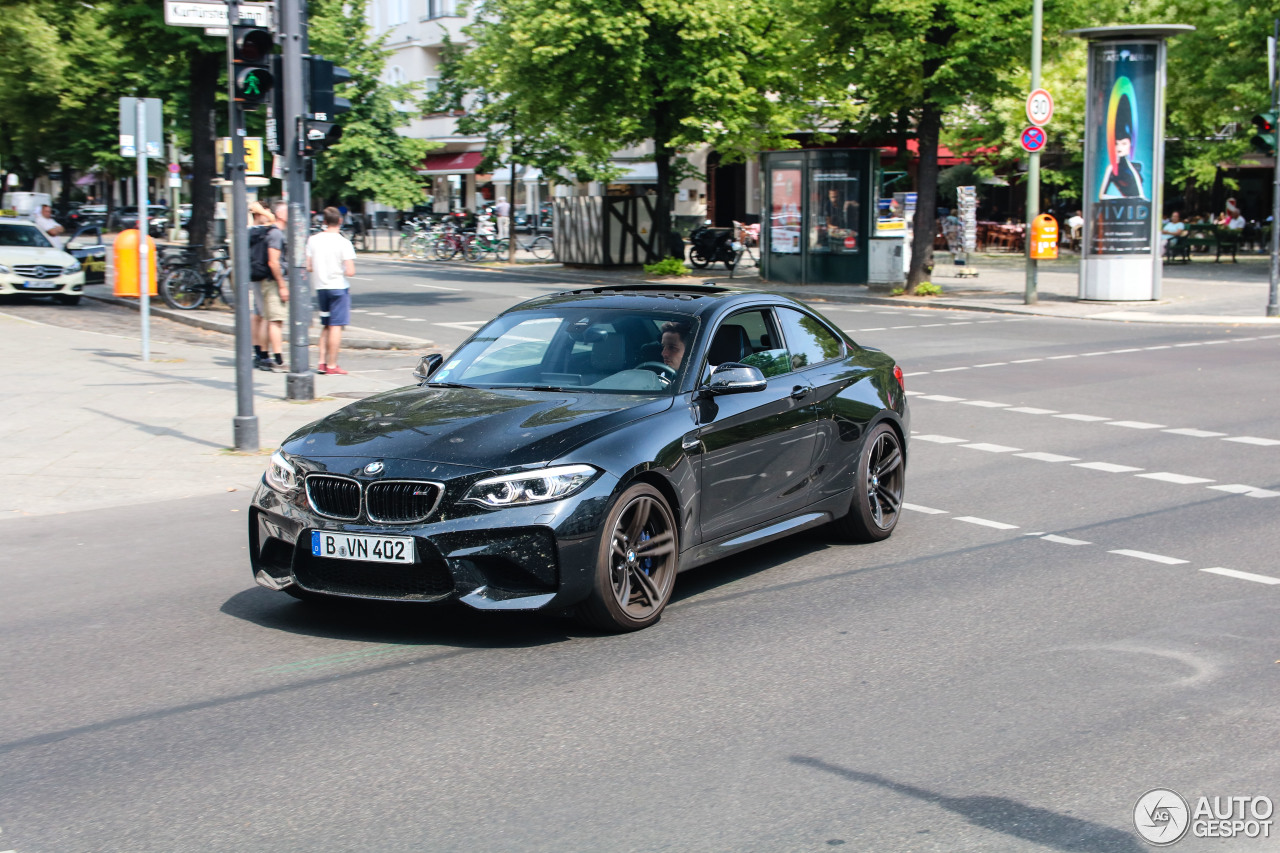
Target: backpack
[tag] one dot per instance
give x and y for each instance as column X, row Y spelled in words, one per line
column 259, row 268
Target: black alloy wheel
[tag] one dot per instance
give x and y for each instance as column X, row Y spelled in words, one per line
column 637, row 563
column 879, row 485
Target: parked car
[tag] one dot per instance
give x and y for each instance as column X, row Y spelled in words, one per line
column 87, row 247
column 31, row 265
column 582, row 449
column 520, row 217
column 93, row 214
column 157, row 219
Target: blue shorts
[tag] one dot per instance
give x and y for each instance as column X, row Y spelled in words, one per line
column 335, row 306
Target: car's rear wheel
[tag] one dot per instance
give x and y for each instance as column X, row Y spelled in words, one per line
column 879, row 484
column 637, row 563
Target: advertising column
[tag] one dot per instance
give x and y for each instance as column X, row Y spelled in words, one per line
column 1124, row 162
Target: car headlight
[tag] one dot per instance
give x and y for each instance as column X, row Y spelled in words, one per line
column 531, row 487
column 75, row 267
column 281, row 475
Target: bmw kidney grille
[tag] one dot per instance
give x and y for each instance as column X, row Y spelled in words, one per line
column 386, row 501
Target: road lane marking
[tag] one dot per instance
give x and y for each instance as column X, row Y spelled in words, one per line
column 1026, row 360
column 1135, row 424
column 1031, row 410
column 1047, row 457
column 1109, row 467
column 1064, row 540
column 1059, row 357
column 1244, row 576
column 1085, row 418
column 938, row 439
column 1241, row 489
column 950, row 369
column 359, row 278
column 984, row 522
column 1155, row 558
column 927, row 510
column 1195, row 433
column 942, row 398
column 985, row 404
column 991, row 448
column 468, row 326
column 438, row 287
column 1180, row 479
column 992, row 364
column 1249, row 439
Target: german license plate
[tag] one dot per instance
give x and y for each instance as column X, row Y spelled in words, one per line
column 41, row 285
column 357, row 546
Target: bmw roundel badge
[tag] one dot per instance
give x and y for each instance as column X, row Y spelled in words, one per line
column 373, row 468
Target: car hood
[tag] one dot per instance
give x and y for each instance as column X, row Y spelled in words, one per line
column 484, row 429
column 35, row 255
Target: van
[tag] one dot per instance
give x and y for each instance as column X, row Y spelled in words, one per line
column 26, row 204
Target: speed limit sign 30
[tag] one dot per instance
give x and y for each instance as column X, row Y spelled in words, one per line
column 1039, row 107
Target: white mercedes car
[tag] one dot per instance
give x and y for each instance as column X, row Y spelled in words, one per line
column 31, row 264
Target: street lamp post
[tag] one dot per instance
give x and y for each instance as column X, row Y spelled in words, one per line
column 1033, row 170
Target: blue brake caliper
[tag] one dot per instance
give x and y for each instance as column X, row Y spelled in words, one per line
column 647, row 562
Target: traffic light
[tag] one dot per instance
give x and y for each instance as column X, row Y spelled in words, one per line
column 1264, row 141
column 252, row 65
column 323, row 105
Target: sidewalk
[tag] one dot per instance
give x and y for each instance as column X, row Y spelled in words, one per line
column 88, row 424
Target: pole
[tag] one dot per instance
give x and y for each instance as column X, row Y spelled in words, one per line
column 144, row 268
column 300, row 383
column 1273, row 303
column 245, row 424
column 515, row 197
column 175, row 194
column 1033, row 170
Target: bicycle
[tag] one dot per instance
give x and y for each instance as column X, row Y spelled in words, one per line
column 188, row 287
column 485, row 244
column 540, row 247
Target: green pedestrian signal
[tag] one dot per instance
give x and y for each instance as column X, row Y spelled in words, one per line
column 1264, row 141
column 251, row 56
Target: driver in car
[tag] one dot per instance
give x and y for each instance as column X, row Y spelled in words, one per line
column 673, row 344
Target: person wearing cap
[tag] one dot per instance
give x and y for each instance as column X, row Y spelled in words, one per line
column 1124, row 177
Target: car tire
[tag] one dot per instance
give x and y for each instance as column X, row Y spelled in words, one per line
column 73, row 299
column 877, row 495
column 636, row 563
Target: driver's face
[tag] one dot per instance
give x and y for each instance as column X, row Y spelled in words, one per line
column 672, row 350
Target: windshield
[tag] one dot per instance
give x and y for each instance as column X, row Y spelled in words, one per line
column 17, row 234
column 590, row 349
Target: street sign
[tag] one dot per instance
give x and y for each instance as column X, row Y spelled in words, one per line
column 1039, row 107
column 1033, row 140
column 129, row 123
column 253, row 155
column 196, row 13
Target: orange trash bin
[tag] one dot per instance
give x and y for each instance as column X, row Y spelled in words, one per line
column 125, row 252
column 1044, row 238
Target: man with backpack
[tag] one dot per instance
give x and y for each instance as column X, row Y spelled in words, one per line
column 270, row 287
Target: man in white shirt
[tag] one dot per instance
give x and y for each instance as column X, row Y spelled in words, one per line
column 45, row 222
column 330, row 259
column 503, row 211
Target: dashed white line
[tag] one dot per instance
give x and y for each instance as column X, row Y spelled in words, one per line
column 1241, row 489
column 1047, row 457
column 1085, row 418
column 992, row 364
column 1155, row 558
column 1195, row 433
column 1249, row 439
column 991, row 448
column 927, row 510
column 950, row 369
column 1060, row 357
column 984, row 522
column 1180, row 479
column 985, row 404
column 1031, row 410
column 938, row 439
column 1163, row 346
column 1064, row 540
column 1244, row 576
column 942, row 398
column 1026, row 360
column 1135, row 424
column 1109, row 467
column 439, row 287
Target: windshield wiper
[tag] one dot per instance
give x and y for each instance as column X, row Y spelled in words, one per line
column 446, row 385
column 537, row 388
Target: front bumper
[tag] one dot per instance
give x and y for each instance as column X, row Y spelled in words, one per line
column 519, row 558
column 65, row 284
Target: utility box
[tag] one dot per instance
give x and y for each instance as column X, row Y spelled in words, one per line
column 885, row 262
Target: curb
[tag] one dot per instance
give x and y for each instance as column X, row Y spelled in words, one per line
column 349, row 341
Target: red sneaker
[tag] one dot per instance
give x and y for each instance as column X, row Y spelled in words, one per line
column 320, row 368
column 334, row 369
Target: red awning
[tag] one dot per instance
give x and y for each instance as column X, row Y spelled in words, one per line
column 458, row 163
column 946, row 157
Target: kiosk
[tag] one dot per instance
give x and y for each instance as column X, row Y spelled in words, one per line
column 819, row 215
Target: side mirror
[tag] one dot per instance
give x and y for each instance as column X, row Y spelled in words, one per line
column 428, row 365
column 734, row 378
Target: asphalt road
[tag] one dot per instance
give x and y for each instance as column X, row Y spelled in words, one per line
column 1079, row 606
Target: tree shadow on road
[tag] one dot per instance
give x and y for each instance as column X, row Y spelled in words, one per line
column 1000, row 814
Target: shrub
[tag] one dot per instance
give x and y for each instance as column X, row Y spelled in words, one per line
column 928, row 288
column 666, row 266
column 897, row 291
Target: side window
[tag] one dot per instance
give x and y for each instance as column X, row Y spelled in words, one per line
column 749, row 337
column 524, row 345
column 808, row 339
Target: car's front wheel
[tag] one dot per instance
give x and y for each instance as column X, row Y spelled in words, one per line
column 878, row 488
column 637, row 563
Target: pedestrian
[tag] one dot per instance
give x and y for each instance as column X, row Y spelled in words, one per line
column 331, row 259
column 45, row 222
column 271, row 291
column 503, row 211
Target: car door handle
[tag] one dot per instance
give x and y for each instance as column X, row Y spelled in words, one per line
column 799, row 391
column 690, row 442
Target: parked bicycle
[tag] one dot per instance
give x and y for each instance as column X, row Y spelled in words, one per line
column 189, row 286
column 540, row 247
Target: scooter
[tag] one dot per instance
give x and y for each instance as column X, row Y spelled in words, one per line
column 709, row 245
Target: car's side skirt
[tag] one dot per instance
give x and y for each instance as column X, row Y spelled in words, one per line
column 814, row 515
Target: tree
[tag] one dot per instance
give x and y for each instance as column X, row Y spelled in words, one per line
column 585, row 78
column 372, row 160
column 926, row 60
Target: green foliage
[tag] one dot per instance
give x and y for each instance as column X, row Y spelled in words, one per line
column 928, row 288
column 667, row 266
column 897, row 291
column 373, row 161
